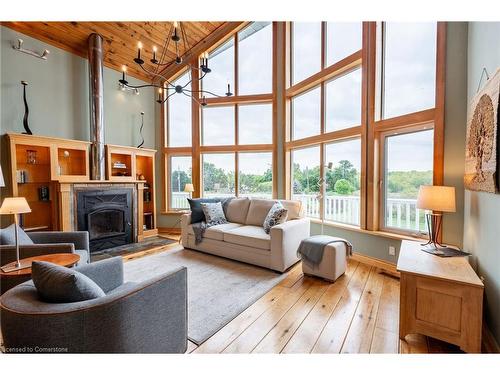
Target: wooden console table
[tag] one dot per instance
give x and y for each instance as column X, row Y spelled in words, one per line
column 440, row 298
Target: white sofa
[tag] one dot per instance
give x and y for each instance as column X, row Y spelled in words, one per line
column 244, row 238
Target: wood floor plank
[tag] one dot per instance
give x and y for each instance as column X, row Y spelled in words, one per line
column 360, row 335
column 335, row 330
column 384, row 341
column 280, row 334
column 218, row 342
column 307, row 334
column 386, row 333
column 293, row 276
column 249, row 339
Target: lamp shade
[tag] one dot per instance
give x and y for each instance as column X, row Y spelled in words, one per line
column 17, row 205
column 436, row 198
column 2, row 181
column 188, row 188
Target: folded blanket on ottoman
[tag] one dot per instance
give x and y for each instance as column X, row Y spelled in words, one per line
column 311, row 249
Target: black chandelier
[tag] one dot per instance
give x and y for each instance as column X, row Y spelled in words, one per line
column 160, row 65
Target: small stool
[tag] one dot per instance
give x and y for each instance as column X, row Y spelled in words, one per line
column 333, row 264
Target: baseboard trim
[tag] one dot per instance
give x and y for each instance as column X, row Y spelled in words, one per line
column 387, row 267
column 167, row 230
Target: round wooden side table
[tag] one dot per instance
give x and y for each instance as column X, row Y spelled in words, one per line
column 61, row 259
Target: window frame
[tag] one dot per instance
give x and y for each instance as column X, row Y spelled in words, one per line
column 383, row 169
column 197, row 149
column 320, row 79
column 168, row 171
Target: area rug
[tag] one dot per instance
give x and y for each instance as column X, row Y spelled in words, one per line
column 130, row 249
column 219, row 289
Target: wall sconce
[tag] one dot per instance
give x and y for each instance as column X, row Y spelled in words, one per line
column 20, row 48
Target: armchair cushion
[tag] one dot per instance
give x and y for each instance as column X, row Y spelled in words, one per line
column 258, row 210
column 8, row 236
column 62, row 285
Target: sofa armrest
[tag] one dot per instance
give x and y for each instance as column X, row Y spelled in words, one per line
column 107, row 273
column 79, row 239
column 8, row 252
column 185, row 222
column 285, row 241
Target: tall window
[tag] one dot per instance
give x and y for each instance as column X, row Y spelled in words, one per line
column 409, row 68
column 318, row 111
column 408, row 165
column 179, row 116
column 180, row 175
column 333, row 122
column 232, row 137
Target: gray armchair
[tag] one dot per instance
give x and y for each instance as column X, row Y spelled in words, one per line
column 44, row 243
column 145, row 317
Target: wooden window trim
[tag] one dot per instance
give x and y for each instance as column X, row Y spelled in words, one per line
column 382, row 137
column 378, row 129
column 197, row 148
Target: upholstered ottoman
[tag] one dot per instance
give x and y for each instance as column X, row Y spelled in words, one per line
column 333, row 263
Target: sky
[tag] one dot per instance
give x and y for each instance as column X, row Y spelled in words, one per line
column 409, row 86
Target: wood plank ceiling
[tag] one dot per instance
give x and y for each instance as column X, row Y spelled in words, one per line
column 121, row 38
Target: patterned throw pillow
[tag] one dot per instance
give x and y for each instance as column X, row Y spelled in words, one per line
column 276, row 215
column 214, row 214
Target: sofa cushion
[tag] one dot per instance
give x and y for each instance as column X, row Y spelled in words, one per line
column 216, row 232
column 294, row 209
column 63, row 285
column 276, row 215
column 258, row 210
column 237, row 210
column 249, row 235
column 197, row 214
column 214, row 214
column 8, row 236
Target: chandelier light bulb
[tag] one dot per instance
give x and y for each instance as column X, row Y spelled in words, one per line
column 176, row 24
column 124, row 68
column 139, row 45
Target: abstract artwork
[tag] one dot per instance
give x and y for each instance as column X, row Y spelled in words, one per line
column 481, row 147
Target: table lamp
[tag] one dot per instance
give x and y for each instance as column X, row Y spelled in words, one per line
column 437, row 199
column 189, row 188
column 15, row 206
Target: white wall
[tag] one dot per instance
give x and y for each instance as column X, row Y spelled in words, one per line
column 482, row 210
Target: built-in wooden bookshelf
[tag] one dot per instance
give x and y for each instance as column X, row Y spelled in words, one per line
column 136, row 164
column 40, row 166
column 37, row 164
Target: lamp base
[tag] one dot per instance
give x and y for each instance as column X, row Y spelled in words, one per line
column 15, row 266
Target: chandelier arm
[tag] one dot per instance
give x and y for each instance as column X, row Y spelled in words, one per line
column 148, row 85
column 193, row 98
column 165, row 50
column 156, row 75
column 168, row 97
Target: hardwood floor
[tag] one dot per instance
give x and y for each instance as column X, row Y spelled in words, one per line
column 358, row 313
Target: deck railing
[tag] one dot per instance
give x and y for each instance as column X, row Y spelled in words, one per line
column 401, row 213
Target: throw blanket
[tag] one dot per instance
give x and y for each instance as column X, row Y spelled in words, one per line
column 311, row 249
column 199, row 230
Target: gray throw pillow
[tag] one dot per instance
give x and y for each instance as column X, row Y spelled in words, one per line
column 8, row 236
column 276, row 215
column 62, row 285
column 214, row 214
